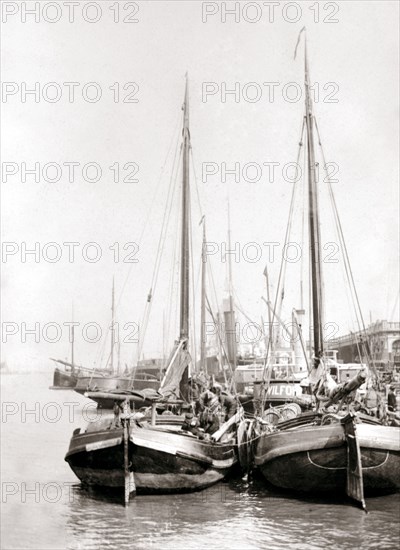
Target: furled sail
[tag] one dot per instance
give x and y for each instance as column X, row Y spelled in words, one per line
column 179, row 361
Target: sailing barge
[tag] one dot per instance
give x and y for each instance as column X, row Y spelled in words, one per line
column 322, row 451
column 316, row 457
column 162, row 457
column 157, row 455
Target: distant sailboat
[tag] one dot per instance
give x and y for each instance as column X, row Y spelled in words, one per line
column 66, row 376
column 4, row 368
column 104, row 379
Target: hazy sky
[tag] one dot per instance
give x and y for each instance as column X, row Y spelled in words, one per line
column 353, row 61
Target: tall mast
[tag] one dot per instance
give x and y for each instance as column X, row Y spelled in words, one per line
column 203, row 366
column 270, row 347
column 72, row 348
column 164, row 339
column 315, row 241
column 231, row 325
column 230, row 261
column 112, row 329
column 184, row 304
column 119, row 358
column 72, row 341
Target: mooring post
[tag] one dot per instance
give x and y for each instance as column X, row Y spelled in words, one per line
column 130, row 486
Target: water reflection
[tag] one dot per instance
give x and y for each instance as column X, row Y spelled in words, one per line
column 228, row 515
column 232, row 515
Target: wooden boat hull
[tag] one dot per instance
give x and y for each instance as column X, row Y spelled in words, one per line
column 314, row 458
column 102, row 383
column 63, row 379
column 112, row 384
column 163, row 459
column 108, row 403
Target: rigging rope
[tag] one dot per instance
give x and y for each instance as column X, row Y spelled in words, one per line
column 193, row 340
column 233, row 383
column 282, row 269
column 160, row 248
column 100, row 355
column 172, row 305
column 349, row 272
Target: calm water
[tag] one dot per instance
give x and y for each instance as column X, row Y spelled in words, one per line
column 43, row 506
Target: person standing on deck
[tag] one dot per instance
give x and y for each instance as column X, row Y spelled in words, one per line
column 207, row 406
column 227, row 401
column 117, row 410
column 207, row 400
column 391, row 399
column 371, row 401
